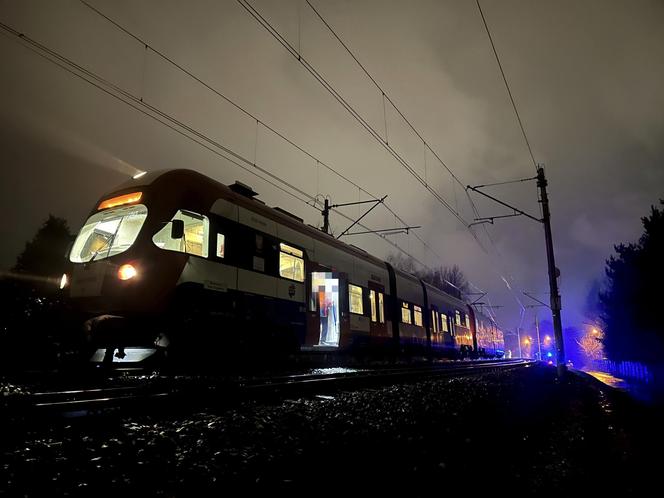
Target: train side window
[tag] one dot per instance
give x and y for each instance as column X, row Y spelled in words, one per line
column 221, row 245
column 372, row 302
column 405, row 313
column 457, row 317
column 443, row 322
column 195, row 238
column 291, row 263
column 467, row 320
column 434, row 322
column 355, row 299
column 418, row 315
column 381, row 308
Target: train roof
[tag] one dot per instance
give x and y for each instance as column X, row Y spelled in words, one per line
column 191, row 178
column 449, row 297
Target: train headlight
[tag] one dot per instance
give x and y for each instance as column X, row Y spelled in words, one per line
column 64, row 281
column 126, row 272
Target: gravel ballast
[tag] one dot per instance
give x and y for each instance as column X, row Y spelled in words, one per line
column 522, row 429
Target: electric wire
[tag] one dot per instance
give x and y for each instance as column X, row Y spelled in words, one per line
column 346, row 105
column 137, row 103
column 502, row 72
column 418, row 134
column 242, row 109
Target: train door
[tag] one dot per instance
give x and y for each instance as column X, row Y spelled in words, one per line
column 378, row 326
column 324, row 316
column 436, row 332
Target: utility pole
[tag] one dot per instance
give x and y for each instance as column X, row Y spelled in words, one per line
column 554, row 273
column 539, row 344
column 326, row 216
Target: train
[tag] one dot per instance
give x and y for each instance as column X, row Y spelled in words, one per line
column 175, row 261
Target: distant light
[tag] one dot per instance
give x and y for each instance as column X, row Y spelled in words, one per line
column 550, row 362
column 549, row 354
column 138, row 175
column 120, row 200
column 126, row 272
column 64, row 281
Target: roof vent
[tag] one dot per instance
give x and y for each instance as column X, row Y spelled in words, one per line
column 242, row 189
column 283, row 211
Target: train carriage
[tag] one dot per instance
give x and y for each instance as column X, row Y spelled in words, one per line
column 179, row 258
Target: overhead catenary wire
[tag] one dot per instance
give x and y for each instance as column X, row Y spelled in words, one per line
column 351, row 110
column 385, row 96
column 258, row 120
column 139, row 104
column 242, row 109
column 509, row 91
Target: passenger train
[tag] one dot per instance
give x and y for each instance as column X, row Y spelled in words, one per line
column 175, row 260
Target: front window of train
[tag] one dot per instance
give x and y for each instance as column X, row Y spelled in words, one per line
column 108, row 233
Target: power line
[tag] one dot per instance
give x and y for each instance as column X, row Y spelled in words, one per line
column 242, row 109
column 417, row 133
column 346, row 105
column 203, row 140
column 385, row 95
column 502, row 72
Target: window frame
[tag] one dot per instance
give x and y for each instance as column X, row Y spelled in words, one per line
column 405, row 306
column 294, row 253
column 350, row 301
column 102, row 216
column 417, row 313
column 381, row 308
column 373, row 306
column 205, row 244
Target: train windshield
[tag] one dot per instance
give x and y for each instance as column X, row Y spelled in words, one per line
column 108, row 233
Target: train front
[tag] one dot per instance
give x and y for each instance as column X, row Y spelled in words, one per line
column 120, row 281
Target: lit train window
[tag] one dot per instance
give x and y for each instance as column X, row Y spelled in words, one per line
column 418, row 315
column 457, row 317
column 405, row 313
column 355, row 298
column 221, row 245
column 467, row 321
column 381, row 309
column 108, row 233
column 434, row 321
column 195, row 238
column 443, row 322
column 372, row 301
column 291, row 264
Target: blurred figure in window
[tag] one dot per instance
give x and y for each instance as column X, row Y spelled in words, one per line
column 323, row 311
column 333, row 332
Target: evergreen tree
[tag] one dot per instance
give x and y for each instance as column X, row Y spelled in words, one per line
column 634, row 330
column 44, row 255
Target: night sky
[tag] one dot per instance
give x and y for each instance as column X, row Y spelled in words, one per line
column 587, row 77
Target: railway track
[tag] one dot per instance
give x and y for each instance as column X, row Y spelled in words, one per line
column 198, row 394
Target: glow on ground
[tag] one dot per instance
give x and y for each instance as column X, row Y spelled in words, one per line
column 608, row 379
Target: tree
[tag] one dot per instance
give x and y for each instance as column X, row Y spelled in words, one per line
column 44, row 255
column 591, row 344
column 34, row 316
column 633, row 326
